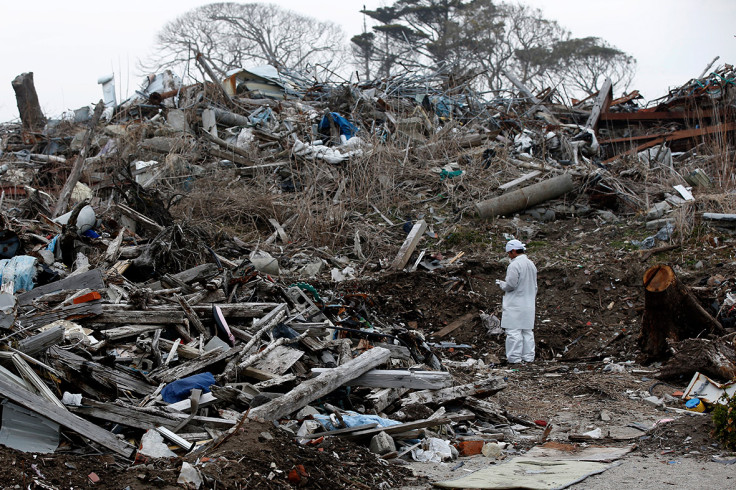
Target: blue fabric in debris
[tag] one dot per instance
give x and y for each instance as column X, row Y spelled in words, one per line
column 261, row 116
column 91, row 234
column 355, row 419
column 181, row 389
column 21, row 269
column 347, row 128
column 52, row 244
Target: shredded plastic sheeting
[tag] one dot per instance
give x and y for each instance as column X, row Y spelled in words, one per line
column 535, row 474
column 354, row 419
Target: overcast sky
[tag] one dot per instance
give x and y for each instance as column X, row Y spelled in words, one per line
column 69, row 44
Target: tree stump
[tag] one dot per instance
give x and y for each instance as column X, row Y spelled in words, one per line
column 670, row 312
column 31, row 115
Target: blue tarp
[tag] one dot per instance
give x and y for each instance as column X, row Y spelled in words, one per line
column 181, row 389
column 21, row 269
column 347, row 128
column 355, row 419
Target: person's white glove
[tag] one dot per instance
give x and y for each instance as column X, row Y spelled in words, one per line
column 500, row 283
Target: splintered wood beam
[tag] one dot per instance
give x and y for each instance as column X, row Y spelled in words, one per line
column 398, row 378
column 410, row 244
column 601, row 104
column 321, row 385
column 485, row 387
column 463, row 320
column 61, row 416
column 91, row 279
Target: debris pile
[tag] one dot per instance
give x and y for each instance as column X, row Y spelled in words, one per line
column 290, row 266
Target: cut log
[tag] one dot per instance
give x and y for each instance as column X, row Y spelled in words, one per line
column 671, row 313
column 320, row 386
column 522, row 199
column 31, row 115
column 715, row 358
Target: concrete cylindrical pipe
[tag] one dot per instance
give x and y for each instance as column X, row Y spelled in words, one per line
column 523, row 198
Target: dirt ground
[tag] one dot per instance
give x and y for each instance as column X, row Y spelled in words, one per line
column 589, row 307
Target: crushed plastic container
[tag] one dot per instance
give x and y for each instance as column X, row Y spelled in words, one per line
column 695, row 405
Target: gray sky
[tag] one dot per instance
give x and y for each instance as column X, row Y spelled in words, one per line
column 69, row 44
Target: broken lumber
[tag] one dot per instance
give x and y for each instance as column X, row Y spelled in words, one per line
column 463, row 320
column 323, row 384
column 398, row 378
column 488, row 386
column 532, row 195
column 90, row 279
column 409, row 245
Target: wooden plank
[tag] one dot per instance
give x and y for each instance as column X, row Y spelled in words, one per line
column 410, row 244
column 229, row 310
column 106, row 376
column 115, row 315
column 320, row 386
column 191, row 367
column 279, row 360
column 200, row 272
column 280, row 230
column 62, row 417
column 128, row 331
column 384, row 397
column 487, row 386
column 92, row 308
column 398, row 378
column 463, row 320
column 400, row 428
column 337, row 432
column 601, row 104
column 520, row 180
column 142, row 418
column 183, row 350
column 91, row 279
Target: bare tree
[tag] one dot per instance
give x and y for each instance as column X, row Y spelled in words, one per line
column 232, row 35
column 479, row 37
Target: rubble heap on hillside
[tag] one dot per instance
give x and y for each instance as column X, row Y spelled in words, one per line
column 169, row 263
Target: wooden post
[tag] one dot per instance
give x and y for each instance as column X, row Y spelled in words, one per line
column 26, row 97
column 670, row 312
column 320, row 386
column 601, row 104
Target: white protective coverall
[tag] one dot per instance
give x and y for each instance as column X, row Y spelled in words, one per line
column 517, row 316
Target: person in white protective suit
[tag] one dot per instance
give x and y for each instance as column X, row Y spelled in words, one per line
column 517, row 317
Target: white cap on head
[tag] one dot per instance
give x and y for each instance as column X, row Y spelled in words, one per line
column 514, row 245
